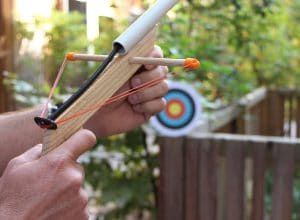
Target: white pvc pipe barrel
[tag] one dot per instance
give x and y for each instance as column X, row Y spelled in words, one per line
column 144, row 24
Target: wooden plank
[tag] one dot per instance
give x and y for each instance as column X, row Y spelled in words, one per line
column 208, row 180
column 276, row 115
column 6, row 48
column 290, row 114
column 287, row 91
column 6, row 29
column 230, row 119
column 221, row 118
column 282, row 195
column 113, row 77
column 191, row 178
column 252, row 99
column 259, row 168
column 255, row 120
column 247, row 138
column 171, row 179
column 241, row 124
column 234, row 184
column 258, row 115
column 221, row 177
column 264, row 119
column 298, row 116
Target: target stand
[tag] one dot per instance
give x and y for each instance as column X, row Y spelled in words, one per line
column 182, row 112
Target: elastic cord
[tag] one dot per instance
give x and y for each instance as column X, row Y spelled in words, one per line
column 85, row 85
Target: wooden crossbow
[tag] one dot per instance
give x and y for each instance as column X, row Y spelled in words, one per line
column 136, row 41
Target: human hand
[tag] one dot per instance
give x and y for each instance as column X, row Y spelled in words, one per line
column 48, row 187
column 137, row 108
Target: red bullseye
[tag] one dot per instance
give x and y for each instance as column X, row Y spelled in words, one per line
column 175, row 109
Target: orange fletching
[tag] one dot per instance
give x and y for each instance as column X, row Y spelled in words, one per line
column 191, row 63
column 70, row 56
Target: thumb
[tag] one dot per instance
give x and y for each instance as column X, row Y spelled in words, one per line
column 29, row 155
column 77, row 144
column 33, row 153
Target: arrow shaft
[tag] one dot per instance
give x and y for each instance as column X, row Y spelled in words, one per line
column 132, row 60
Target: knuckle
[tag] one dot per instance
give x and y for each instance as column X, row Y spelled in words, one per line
column 140, row 96
column 164, row 69
column 164, row 87
column 13, row 162
column 161, row 104
column 164, row 101
column 80, row 169
column 86, row 215
column 90, row 137
column 58, row 163
column 160, row 71
column 83, row 198
column 76, row 180
column 158, row 50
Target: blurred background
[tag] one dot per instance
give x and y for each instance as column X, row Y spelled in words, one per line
column 242, row 44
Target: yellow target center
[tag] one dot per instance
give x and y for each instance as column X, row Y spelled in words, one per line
column 175, row 109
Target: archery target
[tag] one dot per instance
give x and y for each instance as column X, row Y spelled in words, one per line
column 182, row 112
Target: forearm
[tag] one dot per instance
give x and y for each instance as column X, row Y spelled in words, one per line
column 18, row 133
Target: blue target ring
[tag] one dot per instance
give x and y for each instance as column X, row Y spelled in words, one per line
column 186, row 116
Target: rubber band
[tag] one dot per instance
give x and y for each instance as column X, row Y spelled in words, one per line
column 189, row 63
column 112, row 99
column 59, row 74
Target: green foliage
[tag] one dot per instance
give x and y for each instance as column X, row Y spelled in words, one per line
column 64, row 33
column 124, row 174
column 242, row 44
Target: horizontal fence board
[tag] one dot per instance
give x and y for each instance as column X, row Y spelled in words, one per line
column 247, row 138
column 252, row 99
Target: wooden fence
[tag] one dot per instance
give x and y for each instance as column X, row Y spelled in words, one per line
column 223, row 176
column 6, row 52
column 262, row 112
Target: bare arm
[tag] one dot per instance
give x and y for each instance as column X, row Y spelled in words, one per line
column 18, row 133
